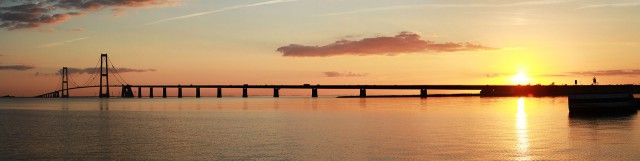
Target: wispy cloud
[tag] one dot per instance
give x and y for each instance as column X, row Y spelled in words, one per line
column 405, row 42
column 220, row 10
column 344, row 74
column 630, row 4
column 62, row 42
column 633, row 72
column 477, row 5
column 48, row 30
column 16, row 67
column 95, row 70
column 77, row 29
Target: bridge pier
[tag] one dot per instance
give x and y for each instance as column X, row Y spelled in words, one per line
column 139, row 92
column 219, row 93
column 127, row 92
column 150, row 92
column 363, row 92
column 179, row 91
column 197, row 92
column 244, row 91
column 164, row 92
column 314, row 92
column 423, row 93
column 276, row 92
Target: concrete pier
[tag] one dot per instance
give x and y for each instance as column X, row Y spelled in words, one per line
column 179, row 92
column 219, row 93
column 363, row 92
column 198, row 92
column 423, row 93
column 314, row 92
column 150, row 92
column 244, row 92
column 276, row 92
column 139, row 92
column 164, row 92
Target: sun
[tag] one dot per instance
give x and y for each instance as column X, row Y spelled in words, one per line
column 520, row 78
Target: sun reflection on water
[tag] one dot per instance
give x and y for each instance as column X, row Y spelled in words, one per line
column 521, row 130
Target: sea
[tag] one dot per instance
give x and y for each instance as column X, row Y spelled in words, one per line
column 304, row 128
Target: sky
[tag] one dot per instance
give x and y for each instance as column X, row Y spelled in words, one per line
column 319, row 42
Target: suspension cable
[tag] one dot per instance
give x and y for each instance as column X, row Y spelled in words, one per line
column 116, row 71
column 93, row 73
column 118, row 79
column 73, row 81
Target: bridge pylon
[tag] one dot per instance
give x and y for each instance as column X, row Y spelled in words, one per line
column 104, row 76
column 64, row 92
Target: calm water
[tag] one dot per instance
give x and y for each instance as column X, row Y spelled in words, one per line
column 460, row 128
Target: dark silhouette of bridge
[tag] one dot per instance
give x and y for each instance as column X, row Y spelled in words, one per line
column 485, row 90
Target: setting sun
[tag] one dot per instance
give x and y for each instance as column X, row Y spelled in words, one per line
column 520, row 78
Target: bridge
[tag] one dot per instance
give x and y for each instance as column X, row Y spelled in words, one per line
column 485, row 90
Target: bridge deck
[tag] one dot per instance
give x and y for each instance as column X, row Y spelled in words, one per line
column 486, row 90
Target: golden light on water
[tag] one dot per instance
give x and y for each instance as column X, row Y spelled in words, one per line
column 521, row 130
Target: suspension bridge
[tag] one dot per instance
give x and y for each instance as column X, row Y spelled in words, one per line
column 106, row 68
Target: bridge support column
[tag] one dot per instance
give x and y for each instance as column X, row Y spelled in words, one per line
column 197, row 92
column 244, row 92
column 423, row 93
column 314, row 92
column 363, row 92
column 219, row 93
column 150, row 92
column 164, row 92
column 139, row 92
column 127, row 92
column 276, row 92
column 179, row 92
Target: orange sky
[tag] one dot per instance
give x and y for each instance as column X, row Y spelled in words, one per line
column 320, row 42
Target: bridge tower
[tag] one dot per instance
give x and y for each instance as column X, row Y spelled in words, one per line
column 64, row 92
column 104, row 76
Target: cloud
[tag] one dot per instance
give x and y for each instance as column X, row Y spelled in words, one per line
column 77, row 29
column 48, row 30
column 462, row 5
column 344, row 74
column 493, row 75
column 630, row 4
column 61, row 43
column 609, row 73
column 36, row 13
column 97, row 70
column 16, row 67
column 221, row 10
column 405, row 42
